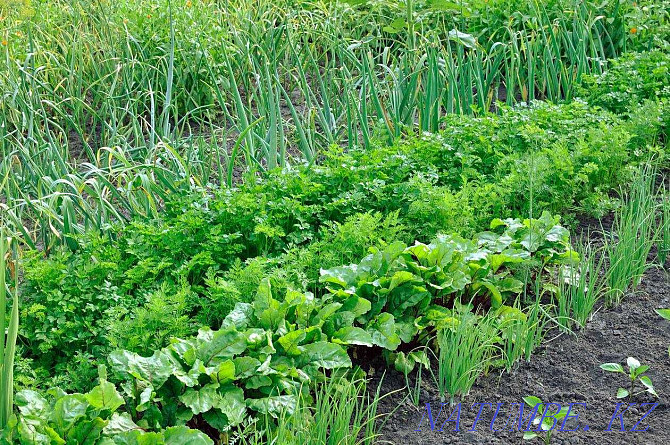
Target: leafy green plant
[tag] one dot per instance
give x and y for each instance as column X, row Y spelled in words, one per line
column 635, row 375
column 8, row 325
column 451, row 269
column 207, row 245
column 260, row 359
column 91, row 418
column 61, row 313
column 266, row 352
column 545, row 429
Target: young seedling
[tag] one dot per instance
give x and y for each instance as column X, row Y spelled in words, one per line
column 635, row 374
column 548, row 424
column 665, row 313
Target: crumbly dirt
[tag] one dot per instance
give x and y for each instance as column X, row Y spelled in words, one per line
column 563, row 370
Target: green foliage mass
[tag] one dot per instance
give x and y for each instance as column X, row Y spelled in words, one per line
column 630, row 80
column 217, row 306
column 91, row 418
column 166, row 276
column 265, row 354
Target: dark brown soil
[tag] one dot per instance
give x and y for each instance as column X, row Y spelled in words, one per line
column 563, row 370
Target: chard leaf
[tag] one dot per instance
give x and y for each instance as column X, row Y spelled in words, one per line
column 67, row 410
column 460, row 280
column 497, row 222
column 31, row 403
column 406, row 329
column 190, row 378
column 403, row 363
column 382, row 330
column 119, row 423
column 255, row 337
column 138, row 437
column 494, row 242
column 185, row 350
column 225, row 372
column 420, row 357
column 326, row 355
column 239, row 317
column 275, row 406
column 325, row 312
column 56, row 439
column 337, row 322
column 510, row 284
column 201, row 400
column 220, row 345
column 291, row 340
column 272, row 317
column 145, row 398
column 407, row 297
column 342, row 276
column 351, row 335
column 245, row 366
column 399, row 278
column 182, row 435
column 87, row 432
column 531, row 240
column 437, row 316
column 217, row 420
column 231, row 403
column 258, row 381
column 494, row 293
column 356, row 305
column 155, row 369
column 32, row 433
column 105, row 396
column 558, row 234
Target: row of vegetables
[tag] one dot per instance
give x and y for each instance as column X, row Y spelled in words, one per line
column 267, row 355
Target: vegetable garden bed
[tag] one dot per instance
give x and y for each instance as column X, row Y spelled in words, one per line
column 222, row 222
column 563, row 370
